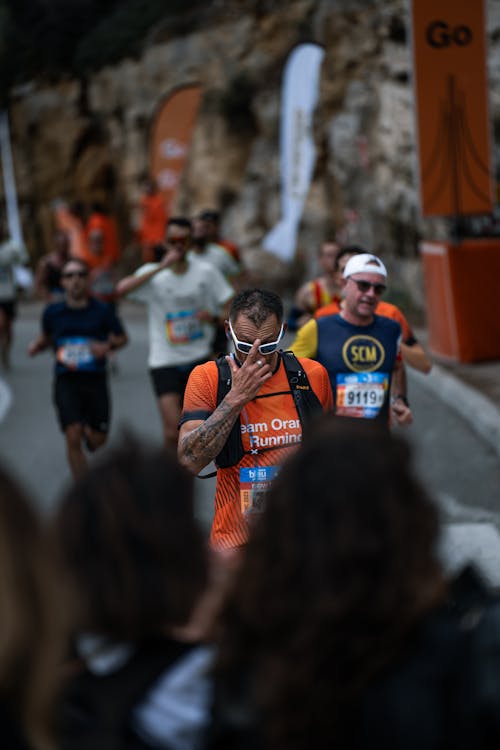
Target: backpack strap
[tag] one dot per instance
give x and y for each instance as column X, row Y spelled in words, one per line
column 232, row 452
column 306, row 402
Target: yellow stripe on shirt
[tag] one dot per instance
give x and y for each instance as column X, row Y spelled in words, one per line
column 306, row 340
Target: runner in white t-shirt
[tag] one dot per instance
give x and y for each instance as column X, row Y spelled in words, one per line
column 186, row 297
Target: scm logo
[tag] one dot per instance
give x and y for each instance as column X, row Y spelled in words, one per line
column 363, row 353
column 440, row 34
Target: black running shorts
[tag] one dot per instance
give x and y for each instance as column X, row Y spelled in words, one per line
column 172, row 379
column 82, row 397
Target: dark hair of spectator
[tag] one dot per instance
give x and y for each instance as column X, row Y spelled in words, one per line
column 30, row 629
column 130, row 546
column 83, row 264
column 257, row 305
column 180, row 221
column 348, row 250
column 339, row 570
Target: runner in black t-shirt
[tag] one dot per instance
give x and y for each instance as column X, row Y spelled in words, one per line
column 82, row 331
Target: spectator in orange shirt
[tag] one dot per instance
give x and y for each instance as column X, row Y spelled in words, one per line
column 102, row 252
column 153, row 220
column 106, row 252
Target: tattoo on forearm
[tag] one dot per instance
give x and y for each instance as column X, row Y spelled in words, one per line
column 204, row 443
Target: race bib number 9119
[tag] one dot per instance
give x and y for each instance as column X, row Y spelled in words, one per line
column 361, row 394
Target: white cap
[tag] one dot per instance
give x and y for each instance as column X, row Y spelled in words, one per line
column 364, row 263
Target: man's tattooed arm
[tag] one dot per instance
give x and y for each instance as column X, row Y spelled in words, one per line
column 201, row 444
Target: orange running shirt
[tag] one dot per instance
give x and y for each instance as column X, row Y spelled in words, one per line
column 111, row 250
column 268, row 422
column 386, row 309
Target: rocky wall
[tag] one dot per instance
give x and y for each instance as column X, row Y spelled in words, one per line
column 88, row 140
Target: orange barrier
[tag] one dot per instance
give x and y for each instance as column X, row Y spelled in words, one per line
column 461, row 286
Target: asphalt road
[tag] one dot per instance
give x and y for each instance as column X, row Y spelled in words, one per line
column 460, row 470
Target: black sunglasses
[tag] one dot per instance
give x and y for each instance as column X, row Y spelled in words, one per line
column 78, row 274
column 365, row 286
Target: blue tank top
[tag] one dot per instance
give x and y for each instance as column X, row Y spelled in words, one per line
column 360, row 361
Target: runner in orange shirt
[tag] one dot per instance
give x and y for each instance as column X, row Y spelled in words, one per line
column 251, row 430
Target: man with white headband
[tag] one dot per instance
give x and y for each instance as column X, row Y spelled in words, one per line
column 359, row 348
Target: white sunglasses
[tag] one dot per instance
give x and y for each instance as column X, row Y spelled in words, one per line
column 244, row 347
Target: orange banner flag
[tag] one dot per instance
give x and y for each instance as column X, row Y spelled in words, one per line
column 449, row 52
column 170, row 139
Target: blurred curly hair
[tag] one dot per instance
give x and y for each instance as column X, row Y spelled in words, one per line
column 337, row 573
column 128, row 545
column 31, row 628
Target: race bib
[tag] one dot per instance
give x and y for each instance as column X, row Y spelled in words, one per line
column 183, row 327
column 361, row 394
column 75, row 354
column 254, row 483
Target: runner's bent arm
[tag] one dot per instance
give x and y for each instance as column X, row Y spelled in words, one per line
column 42, row 342
column 399, row 384
column 399, row 402
column 131, row 283
column 103, row 348
column 415, row 356
column 117, row 340
column 201, row 441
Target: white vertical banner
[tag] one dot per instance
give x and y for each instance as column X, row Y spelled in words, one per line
column 298, row 153
column 9, row 181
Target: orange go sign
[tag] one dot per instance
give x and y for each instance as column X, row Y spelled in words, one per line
column 449, row 53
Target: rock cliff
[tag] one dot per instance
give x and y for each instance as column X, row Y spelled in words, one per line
column 88, row 139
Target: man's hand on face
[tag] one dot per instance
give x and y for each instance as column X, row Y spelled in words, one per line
column 172, row 255
column 248, row 379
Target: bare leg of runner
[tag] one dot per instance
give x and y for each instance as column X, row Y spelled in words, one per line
column 93, row 438
column 170, row 411
column 76, row 457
